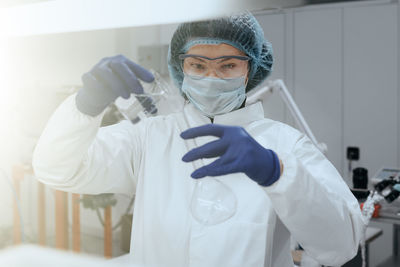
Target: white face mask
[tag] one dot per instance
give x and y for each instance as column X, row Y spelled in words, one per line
column 214, row 96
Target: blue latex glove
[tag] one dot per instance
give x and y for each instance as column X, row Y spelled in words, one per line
column 237, row 152
column 110, row 78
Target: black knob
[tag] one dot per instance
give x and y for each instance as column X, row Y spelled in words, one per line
column 360, row 178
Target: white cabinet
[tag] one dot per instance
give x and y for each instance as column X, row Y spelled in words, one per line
column 370, row 84
column 318, row 75
column 371, row 90
column 341, row 63
column 274, row 30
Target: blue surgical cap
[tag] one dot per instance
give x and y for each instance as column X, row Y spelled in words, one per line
column 241, row 31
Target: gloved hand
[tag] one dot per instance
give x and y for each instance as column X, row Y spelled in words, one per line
column 110, row 78
column 238, row 152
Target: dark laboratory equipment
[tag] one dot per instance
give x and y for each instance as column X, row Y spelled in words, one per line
column 360, row 178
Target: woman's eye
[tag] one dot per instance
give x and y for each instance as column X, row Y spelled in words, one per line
column 228, row 66
column 197, row 66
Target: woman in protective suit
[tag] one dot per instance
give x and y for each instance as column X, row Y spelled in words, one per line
column 284, row 186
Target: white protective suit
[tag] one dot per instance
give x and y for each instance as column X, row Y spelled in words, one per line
column 310, row 201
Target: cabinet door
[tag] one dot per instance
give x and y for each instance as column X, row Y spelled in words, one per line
column 274, row 31
column 318, row 75
column 370, row 84
column 370, row 96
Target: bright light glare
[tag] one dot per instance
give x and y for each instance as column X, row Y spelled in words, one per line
column 7, row 111
column 82, row 15
column 5, row 85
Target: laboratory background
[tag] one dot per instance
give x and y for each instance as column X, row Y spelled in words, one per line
column 339, row 62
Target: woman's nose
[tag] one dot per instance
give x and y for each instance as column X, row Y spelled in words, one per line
column 212, row 73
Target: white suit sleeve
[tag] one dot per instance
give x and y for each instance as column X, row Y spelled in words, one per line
column 74, row 154
column 316, row 205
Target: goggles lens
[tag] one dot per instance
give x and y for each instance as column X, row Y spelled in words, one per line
column 224, row 67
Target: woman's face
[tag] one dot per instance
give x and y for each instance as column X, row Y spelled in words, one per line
column 214, row 51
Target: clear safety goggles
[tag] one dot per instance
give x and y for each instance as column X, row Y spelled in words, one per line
column 224, row 67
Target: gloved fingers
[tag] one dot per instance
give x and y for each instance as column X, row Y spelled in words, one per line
column 90, row 82
column 208, row 129
column 102, row 63
column 210, row 150
column 204, row 171
column 127, row 76
column 228, row 157
column 140, row 72
column 216, row 168
column 112, row 81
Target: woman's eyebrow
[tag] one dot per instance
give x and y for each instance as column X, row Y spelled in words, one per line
column 199, row 58
column 224, row 59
